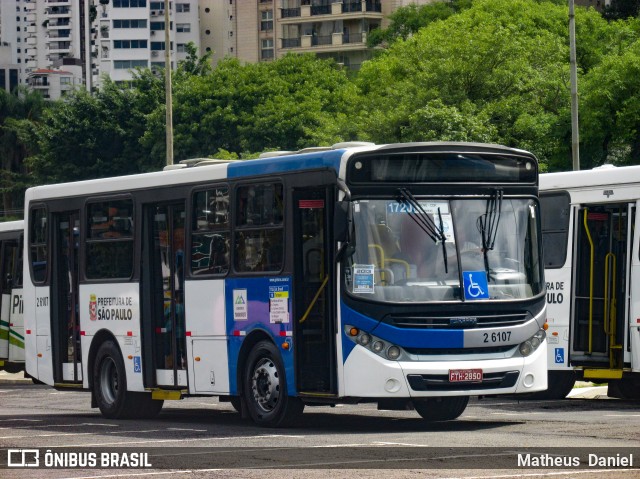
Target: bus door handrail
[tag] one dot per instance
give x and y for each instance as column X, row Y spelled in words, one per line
column 610, row 266
column 314, row 300
column 591, row 263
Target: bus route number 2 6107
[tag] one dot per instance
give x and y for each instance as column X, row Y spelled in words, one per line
column 497, row 337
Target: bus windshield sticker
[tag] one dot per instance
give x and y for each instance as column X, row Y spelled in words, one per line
column 475, row 285
column 240, row 312
column 279, row 304
column 363, row 278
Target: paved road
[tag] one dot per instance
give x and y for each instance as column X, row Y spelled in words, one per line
column 339, row 438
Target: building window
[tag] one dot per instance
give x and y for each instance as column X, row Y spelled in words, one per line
column 183, row 27
column 129, row 3
column 266, row 50
column 181, row 48
column 128, row 64
column 266, row 23
column 130, row 24
column 130, row 44
column 183, row 7
column 159, row 46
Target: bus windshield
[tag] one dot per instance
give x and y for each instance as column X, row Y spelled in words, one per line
column 491, row 250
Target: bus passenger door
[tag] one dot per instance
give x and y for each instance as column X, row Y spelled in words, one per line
column 65, row 321
column 12, row 320
column 601, row 280
column 633, row 332
column 314, row 328
column 163, row 279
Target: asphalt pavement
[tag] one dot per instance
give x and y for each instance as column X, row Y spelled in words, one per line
column 582, row 390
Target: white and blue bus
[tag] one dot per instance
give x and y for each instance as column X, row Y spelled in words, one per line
column 592, row 262
column 292, row 280
column 11, row 318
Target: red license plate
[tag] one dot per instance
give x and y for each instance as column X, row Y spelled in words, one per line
column 465, row 375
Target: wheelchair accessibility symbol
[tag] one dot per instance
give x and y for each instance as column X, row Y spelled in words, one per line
column 559, row 355
column 475, row 285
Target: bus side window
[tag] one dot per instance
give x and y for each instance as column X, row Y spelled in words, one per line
column 555, row 227
column 38, row 244
column 259, row 238
column 210, row 231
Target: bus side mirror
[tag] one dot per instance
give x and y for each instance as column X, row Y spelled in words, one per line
column 341, row 221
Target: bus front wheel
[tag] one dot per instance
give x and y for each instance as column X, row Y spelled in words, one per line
column 441, row 408
column 265, row 388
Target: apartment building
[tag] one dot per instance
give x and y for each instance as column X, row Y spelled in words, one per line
column 57, row 45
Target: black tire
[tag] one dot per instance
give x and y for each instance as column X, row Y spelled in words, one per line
column 235, row 402
column 441, row 408
column 627, row 388
column 265, row 388
column 110, row 388
column 13, row 367
column 559, row 384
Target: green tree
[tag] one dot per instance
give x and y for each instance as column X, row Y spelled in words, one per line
column 290, row 103
column 406, row 21
column 20, row 113
column 86, row 136
column 503, row 64
column 610, row 111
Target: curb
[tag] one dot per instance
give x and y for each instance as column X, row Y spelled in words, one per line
column 17, row 378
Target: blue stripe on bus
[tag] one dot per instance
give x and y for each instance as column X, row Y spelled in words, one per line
column 326, row 159
column 404, row 337
column 253, row 297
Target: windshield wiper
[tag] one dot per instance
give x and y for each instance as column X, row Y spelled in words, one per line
column 426, row 223
column 488, row 224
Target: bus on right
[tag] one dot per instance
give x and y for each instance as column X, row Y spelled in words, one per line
column 592, row 269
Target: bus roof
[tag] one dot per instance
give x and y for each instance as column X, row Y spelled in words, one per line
column 600, row 176
column 199, row 170
column 17, row 225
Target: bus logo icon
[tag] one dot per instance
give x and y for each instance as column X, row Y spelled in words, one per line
column 92, row 307
column 23, row 458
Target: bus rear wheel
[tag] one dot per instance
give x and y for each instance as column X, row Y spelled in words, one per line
column 441, row 408
column 110, row 388
column 265, row 388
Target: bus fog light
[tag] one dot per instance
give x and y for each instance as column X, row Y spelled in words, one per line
column 393, row 353
column 378, row 346
column 364, row 339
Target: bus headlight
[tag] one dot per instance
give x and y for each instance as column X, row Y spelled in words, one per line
column 531, row 344
column 376, row 345
column 393, row 353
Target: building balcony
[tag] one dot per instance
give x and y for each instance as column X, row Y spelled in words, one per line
column 342, row 9
column 333, row 42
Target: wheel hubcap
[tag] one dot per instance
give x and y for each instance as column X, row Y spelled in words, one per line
column 265, row 385
column 109, row 380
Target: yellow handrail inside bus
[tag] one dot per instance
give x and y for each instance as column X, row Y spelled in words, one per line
column 402, row 262
column 380, row 265
column 586, row 228
column 313, row 301
column 609, row 262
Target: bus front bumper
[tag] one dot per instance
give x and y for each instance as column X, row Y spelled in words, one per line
column 369, row 375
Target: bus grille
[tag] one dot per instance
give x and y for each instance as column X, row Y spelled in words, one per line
column 458, row 351
column 453, row 321
column 440, row 382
